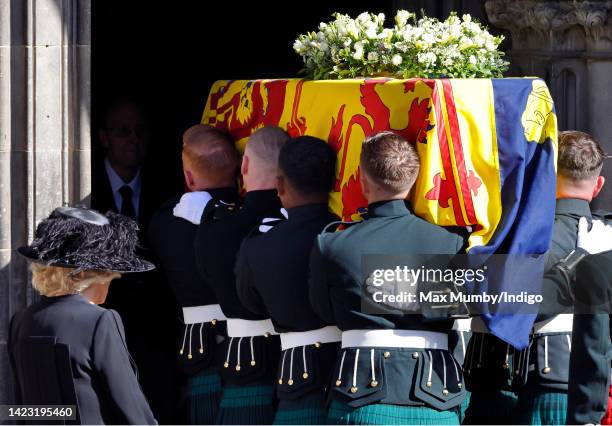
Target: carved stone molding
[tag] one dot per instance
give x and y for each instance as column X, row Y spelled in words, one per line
column 554, row 25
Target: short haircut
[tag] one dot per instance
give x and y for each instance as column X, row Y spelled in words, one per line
column 266, row 143
column 309, row 164
column 390, row 160
column 53, row 281
column 580, row 156
column 210, row 151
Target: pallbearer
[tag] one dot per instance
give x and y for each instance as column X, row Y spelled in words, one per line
column 210, row 164
column 543, row 374
column 251, row 352
column 272, row 279
column 391, row 369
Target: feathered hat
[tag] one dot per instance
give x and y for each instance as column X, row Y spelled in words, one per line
column 82, row 238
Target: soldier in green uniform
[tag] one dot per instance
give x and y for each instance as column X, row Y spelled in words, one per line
column 392, row 369
column 494, row 370
column 541, row 384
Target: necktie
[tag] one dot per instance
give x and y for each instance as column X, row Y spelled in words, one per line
column 127, row 208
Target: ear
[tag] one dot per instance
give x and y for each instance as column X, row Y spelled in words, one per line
column 189, row 179
column 244, row 168
column 363, row 181
column 103, row 135
column 280, row 186
column 598, row 185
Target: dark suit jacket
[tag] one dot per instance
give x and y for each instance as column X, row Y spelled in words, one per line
column 152, row 194
column 151, row 338
column 106, row 386
column 591, row 357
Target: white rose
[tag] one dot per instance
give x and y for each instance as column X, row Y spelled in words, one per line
column 429, row 38
column 401, row 18
column 448, row 62
column 298, row 46
column 490, row 45
column 322, row 25
column 467, row 18
column 371, row 33
column 372, row 56
column 473, row 60
column 363, row 18
column 396, row 60
column 352, row 30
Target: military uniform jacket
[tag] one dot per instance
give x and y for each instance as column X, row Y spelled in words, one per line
column 492, row 363
column 105, row 382
column 272, row 269
column 172, row 239
column 217, row 243
column 272, row 279
column 335, row 294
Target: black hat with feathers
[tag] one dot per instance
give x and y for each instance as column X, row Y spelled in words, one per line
column 85, row 239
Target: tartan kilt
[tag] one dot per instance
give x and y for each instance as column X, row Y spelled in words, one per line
column 203, row 397
column 541, row 408
column 249, row 404
column 463, row 407
column 386, row 414
column 309, row 409
column 491, row 407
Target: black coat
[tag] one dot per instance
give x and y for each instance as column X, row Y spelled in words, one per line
column 104, row 379
column 218, row 241
column 272, row 269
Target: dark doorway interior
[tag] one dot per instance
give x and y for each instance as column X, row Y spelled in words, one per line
column 168, row 56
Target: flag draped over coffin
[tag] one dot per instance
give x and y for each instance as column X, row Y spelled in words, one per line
column 487, row 149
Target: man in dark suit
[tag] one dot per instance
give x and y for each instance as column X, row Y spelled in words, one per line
column 392, row 369
column 272, row 279
column 121, row 183
column 118, row 183
column 210, row 163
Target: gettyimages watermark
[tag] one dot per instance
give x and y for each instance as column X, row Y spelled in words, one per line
column 441, row 285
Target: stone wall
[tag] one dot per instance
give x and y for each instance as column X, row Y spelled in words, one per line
column 44, row 133
column 569, row 44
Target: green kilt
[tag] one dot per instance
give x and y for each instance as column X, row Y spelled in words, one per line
column 251, row 404
column 384, row 414
column 541, row 408
column 491, row 407
column 307, row 410
column 203, row 396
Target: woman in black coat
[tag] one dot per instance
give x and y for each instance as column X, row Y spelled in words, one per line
column 64, row 349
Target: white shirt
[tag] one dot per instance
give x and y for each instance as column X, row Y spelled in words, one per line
column 117, row 183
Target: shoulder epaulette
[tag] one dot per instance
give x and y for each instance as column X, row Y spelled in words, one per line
column 218, row 209
column 268, row 223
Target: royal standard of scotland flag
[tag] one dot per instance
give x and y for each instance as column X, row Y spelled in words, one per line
column 487, row 148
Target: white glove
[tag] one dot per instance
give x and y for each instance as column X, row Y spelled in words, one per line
column 598, row 239
column 192, row 205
